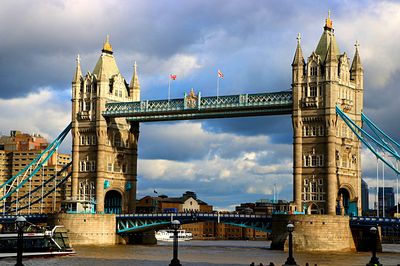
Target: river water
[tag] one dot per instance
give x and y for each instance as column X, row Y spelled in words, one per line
column 207, row 253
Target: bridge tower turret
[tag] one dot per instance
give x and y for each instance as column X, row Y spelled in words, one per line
column 104, row 150
column 326, row 154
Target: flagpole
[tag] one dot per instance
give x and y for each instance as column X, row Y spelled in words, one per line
column 217, row 86
column 169, row 89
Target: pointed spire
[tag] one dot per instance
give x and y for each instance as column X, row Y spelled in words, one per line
column 331, row 55
column 298, row 56
column 326, row 39
column 135, row 80
column 78, row 72
column 107, row 48
column 134, row 85
column 356, row 65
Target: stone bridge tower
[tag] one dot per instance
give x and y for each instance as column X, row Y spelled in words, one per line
column 104, row 151
column 327, row 168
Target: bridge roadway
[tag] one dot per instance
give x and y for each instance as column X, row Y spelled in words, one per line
column 127, row 223
column 198, row 107
column 130, row 223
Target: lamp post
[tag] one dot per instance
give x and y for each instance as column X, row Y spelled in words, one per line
column 374, row 260
column 20, row 222
column 175, row 224
column 290, row 260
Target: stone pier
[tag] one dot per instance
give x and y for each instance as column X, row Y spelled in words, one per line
column 88, row 229
column 313, row 233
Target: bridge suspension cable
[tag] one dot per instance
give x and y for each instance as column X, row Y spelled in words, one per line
column 380, row 144
column 15, row 183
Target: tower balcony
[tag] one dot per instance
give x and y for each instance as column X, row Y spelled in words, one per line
column 347, row 142
column 346, row 104
column 311, row 102
column 84, row 115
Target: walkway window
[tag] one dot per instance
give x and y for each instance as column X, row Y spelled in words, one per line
column 109, row 167
column 93, row 166
column 307, row 131
column 117, row 140
column 313, row 71
column 83, row 139
column 313, row 91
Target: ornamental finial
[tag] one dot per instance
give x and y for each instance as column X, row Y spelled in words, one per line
column 107, row 46
column 328, row 21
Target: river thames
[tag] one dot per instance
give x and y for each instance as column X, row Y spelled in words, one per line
column 199, row 253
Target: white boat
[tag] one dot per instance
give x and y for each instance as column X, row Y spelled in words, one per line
column 168, row 235
column 39, row 243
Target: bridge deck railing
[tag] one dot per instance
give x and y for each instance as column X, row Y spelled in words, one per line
column 114, row 109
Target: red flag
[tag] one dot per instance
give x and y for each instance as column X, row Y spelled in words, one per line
column 172, row 76
column 220, row 75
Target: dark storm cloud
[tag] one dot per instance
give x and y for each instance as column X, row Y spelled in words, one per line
column 43, row 38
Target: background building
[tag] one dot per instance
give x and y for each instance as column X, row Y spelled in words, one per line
column 16, row 152
column 364, row 196
column 265, row 207
column 385, row 198
column 189, row 202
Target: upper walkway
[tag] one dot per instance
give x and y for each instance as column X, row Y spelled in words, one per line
column 197, row 107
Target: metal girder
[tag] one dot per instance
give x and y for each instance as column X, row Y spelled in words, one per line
column 13, row 184
column 141, row 222
column 370, row 221
column 197, row 107
column 377, row 145
column 33, row 218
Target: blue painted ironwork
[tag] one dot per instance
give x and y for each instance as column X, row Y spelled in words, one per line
column 32, row 218
column 373, row 221
column 38, row 193
column 198, row 107
column 130, row 223
column 383, row 137
column 23, row 176
column 376, row 146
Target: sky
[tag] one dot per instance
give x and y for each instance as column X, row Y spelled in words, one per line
column 225, row 161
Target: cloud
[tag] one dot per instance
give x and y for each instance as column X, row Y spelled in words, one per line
column 253, row 43
column 42, row 112
column 212, row 164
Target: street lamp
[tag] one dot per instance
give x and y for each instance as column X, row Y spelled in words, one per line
column 175, row 224
column 20, row 222
column 374, row 260
column 290, row 260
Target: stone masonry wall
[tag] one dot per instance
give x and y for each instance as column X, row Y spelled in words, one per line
column 313, row 233
column 88, row 229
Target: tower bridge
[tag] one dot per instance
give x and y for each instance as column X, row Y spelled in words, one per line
column 325, row 102
column 107, row 111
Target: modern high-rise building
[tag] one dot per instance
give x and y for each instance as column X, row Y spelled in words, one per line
column 16, row 152
column 364, row 196
column 386, row 198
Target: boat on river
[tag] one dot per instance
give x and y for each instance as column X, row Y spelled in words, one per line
column 168, row 235
column 44, row 242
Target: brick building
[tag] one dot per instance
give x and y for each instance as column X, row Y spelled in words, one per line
column 189, row 202
column 16, row 152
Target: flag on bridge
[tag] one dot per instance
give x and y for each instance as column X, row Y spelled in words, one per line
column 172, row 76
column 220, row 74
